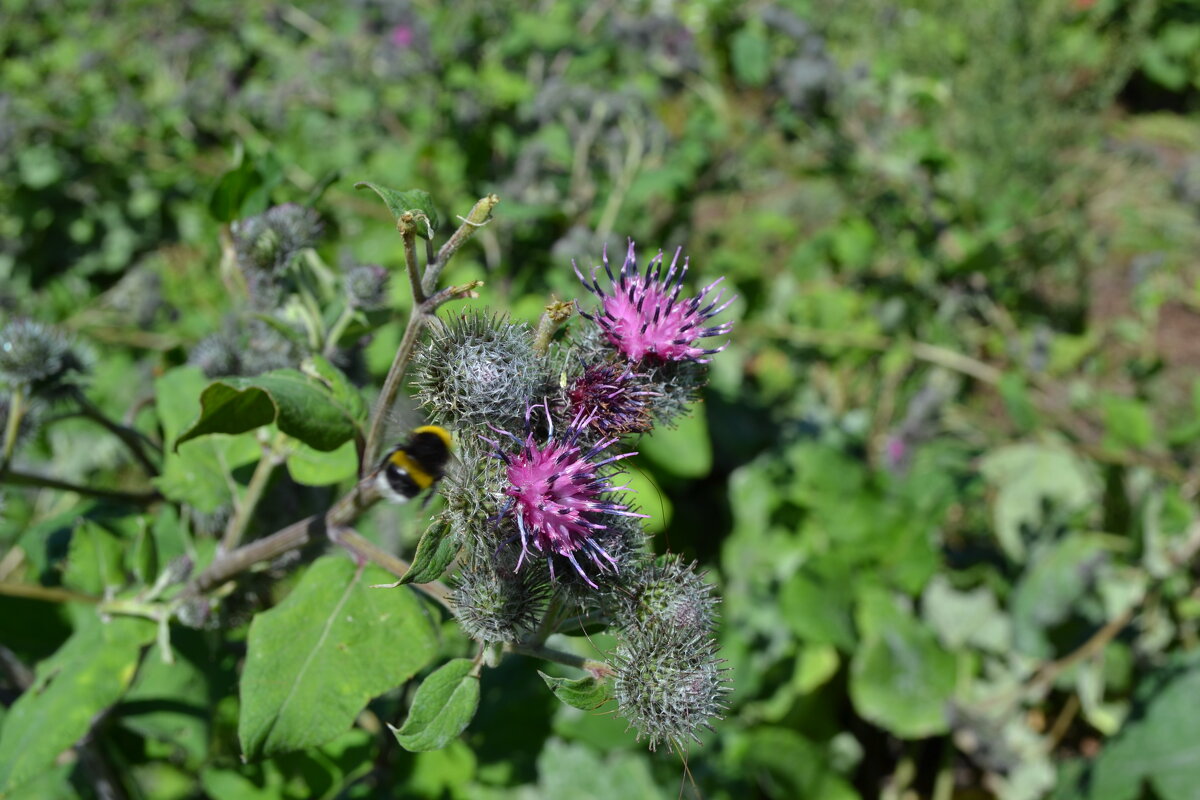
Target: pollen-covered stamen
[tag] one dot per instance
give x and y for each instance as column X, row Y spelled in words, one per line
column 557, row 493
column 643, row 317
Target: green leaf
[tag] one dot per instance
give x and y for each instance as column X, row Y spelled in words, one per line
column 1127, row 423
column 442, row 708
column 302, row 408
column 143, row 556
column 435, row 551
column 586, row 694
column 786, row 764
column 1160, row 744
column 245, row 190
column 576, row 771
column 684, row 451
column 900, row 677
column 416, row 201
column 94, row 560
column 1058, row 576
column 311, row 467
column 1026, row 475
column 750, row 53
column 345, row 394
column 87, row 675
column 966, row 618
column 315, row 660
column 172, row 702
column 819, row 608
column 1015, row 394
column 196, row 473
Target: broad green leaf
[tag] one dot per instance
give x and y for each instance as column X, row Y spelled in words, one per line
column 900, row 677
column 345, row 394
column 172, row 702
column 311, row 467
column 442, row 708
column 1127, row 423
column 1058, row 575
column 196, row 473
column 750, row 53
column 143, row 556
column 199, row 473
column 438, row 772
column 436, row 549
column 818, row 608
column 94, row 560
column 966, row 618
column 1015, row 394
column 586, row 694
column 1027, row 475
column 684, row 451
column 576, row 771
column 786, row 764
column 1159, row 745
column 302, row 407
column 87, row 675
column 314, row 660
column 416, row 201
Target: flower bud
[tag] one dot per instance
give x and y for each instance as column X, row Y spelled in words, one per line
column 478, row 369
column 367, row 286
column 668, row 684
column 494, row 602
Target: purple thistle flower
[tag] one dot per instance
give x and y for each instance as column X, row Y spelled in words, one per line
column 644, row 317
column 556, row 494
column 606, row 397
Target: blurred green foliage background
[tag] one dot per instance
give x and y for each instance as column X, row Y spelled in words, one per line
column 946, row 472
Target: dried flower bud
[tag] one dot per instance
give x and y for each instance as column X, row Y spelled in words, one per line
column 36, row 355
column 268, row 241
column 478, row 369
column 367, row 286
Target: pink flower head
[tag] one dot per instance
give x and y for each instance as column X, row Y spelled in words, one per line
column 644, row 317
column 556, row 493
column 401, row 36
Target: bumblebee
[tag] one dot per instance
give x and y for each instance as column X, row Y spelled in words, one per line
column 415, row 465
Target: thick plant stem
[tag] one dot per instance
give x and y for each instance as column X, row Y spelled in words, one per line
column 365, row 550
column 229, row 564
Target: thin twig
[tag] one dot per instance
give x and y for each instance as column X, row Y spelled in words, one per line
column 597, row 669
column 132, row 439
column 18, row 478
column 49, row 594
column 366, row 550
column 480, row 213
column 244, row 508
column 16, row 410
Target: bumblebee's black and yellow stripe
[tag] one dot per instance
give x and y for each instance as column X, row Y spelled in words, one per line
column 415, row 465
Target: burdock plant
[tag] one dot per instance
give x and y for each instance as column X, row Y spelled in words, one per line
column 547, row 538
column 535, row 535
